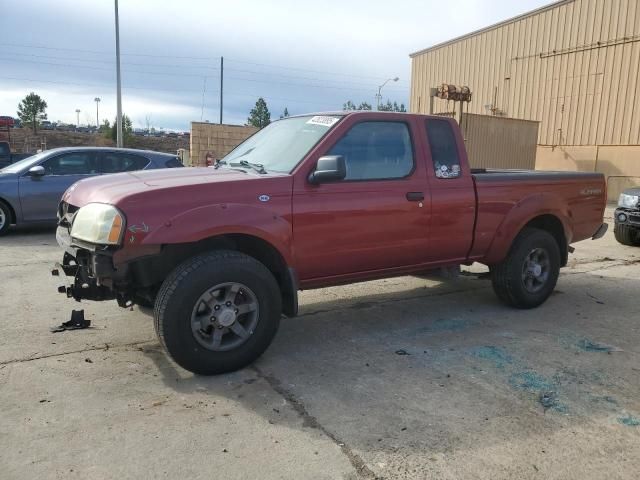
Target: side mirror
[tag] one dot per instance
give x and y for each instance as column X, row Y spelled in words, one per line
column 330, row 168
column 37, row 171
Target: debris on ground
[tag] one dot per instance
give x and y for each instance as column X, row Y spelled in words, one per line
column 402, row 352
column 88, row 360
column 590, row 346
column 76, row 322
column 548, row 400
column 600, row 302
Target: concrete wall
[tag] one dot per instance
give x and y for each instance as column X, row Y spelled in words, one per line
column 573, row 65
column 216, row 139
column 619, row 164
column 495, row 142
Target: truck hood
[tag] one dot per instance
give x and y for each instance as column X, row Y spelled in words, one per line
column 188, row 204
column 152, row 185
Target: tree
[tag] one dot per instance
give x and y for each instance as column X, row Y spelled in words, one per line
column 391, row 107
column 31, row 110
column 349, row 105
column 127, row 128
column 259, row 115
column 105, row 127
column 285, row 114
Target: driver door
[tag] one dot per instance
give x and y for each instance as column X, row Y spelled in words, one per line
column 40, row 195
column 376, row 218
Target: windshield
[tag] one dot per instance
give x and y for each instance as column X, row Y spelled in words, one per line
column 281, row 145
column 24, row 164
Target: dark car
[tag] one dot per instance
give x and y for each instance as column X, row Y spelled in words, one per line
column 7, row 157
column 30, row 189
column 627, row 218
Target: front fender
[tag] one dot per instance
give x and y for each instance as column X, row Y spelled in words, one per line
column 220, row 219
column 520, row 215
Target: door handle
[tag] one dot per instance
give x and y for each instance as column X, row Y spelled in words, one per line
column 415, row 196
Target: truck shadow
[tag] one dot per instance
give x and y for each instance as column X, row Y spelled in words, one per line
column 437, row 370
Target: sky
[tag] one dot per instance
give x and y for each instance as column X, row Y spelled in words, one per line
column 302, row 55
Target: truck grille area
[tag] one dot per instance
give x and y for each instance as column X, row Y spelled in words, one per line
column 66, row 212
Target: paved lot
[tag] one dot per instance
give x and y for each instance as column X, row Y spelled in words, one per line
column 335, row 396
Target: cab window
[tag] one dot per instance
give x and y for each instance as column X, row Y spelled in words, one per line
column 444, row 149
column 376, row 151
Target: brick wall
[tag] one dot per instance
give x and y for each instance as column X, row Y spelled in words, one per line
column 216, row 139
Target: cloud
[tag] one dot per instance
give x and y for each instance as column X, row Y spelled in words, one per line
column 301, row 55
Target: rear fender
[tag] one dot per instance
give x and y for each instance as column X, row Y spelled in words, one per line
column 223, row 219
column 520, row 215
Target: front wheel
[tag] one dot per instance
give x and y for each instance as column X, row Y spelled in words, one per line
column 627, row 235
column 5, row 218
column 217, row 312
column 528, row 275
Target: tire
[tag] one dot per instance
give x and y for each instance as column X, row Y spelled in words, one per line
column 627, row 235
column 5, row 218
column 180, row 301
column 517, row 280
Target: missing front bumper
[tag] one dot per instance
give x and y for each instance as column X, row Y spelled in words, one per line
column 83, row 270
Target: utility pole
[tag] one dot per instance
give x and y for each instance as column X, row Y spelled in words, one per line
column 204, row 89
column 97, row 100
column 379, row 94
column 77, row 117
column 119, row 86
column 221, row 85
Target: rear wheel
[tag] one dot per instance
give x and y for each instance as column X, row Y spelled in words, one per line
column 217, row 312
column 627, row 235
column 528, row 275
column 5, row 218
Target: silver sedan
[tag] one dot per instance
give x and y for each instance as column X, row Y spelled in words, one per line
column 30, row 189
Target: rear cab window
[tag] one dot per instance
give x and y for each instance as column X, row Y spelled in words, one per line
column 444, row 149
column 376, row 150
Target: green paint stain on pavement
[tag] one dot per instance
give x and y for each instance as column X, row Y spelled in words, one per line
column 449, row 325
column 530, row 381
column 629, row 421
column 497, row 355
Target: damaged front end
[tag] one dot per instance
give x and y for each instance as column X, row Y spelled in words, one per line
column 89, row 265
column 92, row 272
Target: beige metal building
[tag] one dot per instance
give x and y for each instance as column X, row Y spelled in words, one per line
column 572, row 65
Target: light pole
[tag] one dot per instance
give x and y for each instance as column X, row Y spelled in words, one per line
column 119, row 89
column 97, row 100
column 77, row 117
column 379, row 95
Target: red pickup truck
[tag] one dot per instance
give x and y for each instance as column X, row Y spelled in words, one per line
column 307, row 202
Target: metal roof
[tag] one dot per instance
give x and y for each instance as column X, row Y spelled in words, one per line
column 492, row 27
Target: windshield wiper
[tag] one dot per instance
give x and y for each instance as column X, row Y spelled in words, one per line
column 258, row 167
column 220, row 162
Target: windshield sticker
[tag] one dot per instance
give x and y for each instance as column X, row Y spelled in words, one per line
column 325, row 121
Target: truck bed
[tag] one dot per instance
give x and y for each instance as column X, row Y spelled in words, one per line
column 505, row 196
